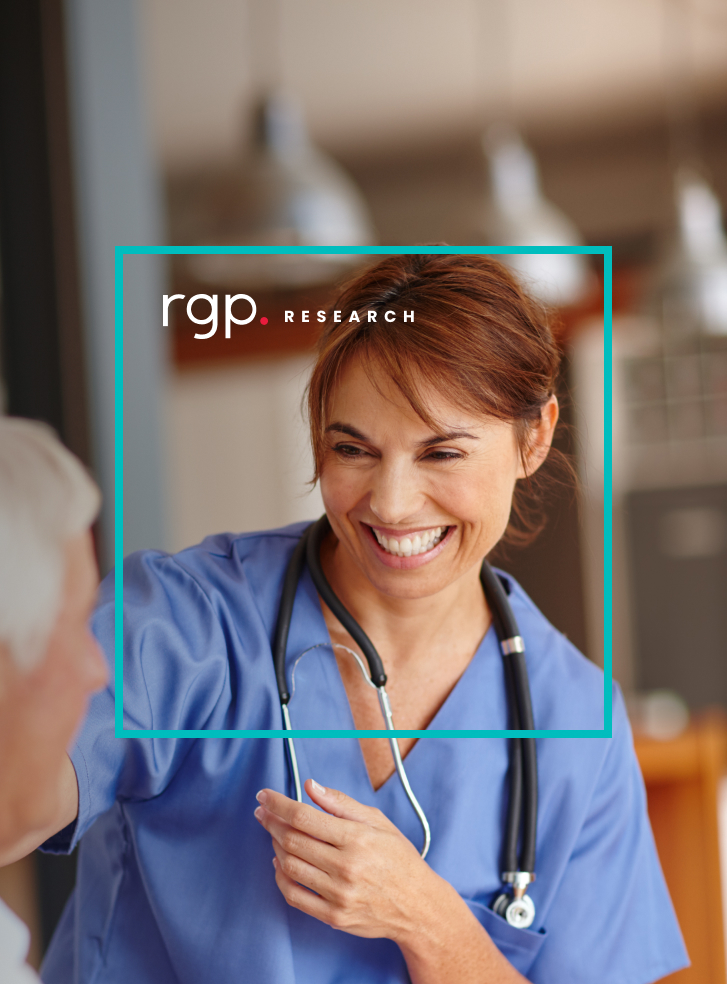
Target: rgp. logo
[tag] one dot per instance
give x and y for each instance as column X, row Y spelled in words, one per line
column 366, row 315
column 212, row 318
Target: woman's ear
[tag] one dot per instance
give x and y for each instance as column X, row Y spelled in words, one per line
column 540, row 438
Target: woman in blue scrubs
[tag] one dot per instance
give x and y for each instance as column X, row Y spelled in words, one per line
column 431, row 402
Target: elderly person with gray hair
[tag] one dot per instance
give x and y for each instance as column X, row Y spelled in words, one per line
column 49, row 661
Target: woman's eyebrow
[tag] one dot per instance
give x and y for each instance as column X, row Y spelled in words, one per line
column 346, row 429
column 437, row 439
column 450, row 436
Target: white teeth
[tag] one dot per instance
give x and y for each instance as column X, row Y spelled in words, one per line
column 411, row 546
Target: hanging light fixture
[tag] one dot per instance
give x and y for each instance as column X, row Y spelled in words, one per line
column 291, row 194
column 690, row 295
column 288, row 191
column 521, row 218
column 297, row 194
column 518, row 216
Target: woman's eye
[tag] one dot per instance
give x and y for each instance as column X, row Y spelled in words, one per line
column 445, row 455
column 348, row 451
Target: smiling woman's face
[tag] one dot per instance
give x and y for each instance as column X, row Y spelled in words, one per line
column 415, row 508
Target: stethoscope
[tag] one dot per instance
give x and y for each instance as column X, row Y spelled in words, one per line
column 517, row 908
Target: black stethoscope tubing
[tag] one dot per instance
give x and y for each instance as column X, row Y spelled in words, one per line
column 523, row 800
column 522, row 809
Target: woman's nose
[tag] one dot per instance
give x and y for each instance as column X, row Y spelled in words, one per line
column 395, row 493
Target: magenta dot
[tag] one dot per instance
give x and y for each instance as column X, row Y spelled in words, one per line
column 263, row 321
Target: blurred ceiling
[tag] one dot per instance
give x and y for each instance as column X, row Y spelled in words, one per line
column 387, row 74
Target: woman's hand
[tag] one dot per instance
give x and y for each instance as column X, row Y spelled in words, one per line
column 368, row 878
column 353, row 869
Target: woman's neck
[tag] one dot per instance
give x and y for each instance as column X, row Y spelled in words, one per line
column 426, row 644
column 449, row 623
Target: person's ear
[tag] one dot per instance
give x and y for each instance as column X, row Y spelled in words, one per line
column 540, row 438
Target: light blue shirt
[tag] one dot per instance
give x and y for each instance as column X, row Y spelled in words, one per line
column 175, row 881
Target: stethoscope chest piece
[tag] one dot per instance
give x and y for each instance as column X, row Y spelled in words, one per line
column 518, row 909
column 520, row 913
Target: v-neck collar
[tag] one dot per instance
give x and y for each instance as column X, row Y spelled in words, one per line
column 323, row 702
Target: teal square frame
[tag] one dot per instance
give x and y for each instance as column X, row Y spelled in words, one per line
column 120, row 254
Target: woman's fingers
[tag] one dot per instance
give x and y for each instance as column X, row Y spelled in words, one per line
column 301, row 898
column 304, row 818
column 296, row 842
column 339, row 805
column 330, row 826
column 304, row 873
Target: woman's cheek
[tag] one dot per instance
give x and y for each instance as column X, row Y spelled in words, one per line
column 484, row 513
column 342, row 487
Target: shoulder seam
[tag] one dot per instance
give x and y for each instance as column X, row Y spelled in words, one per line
column 195, row 581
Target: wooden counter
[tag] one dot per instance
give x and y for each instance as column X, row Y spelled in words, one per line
column 682, row 777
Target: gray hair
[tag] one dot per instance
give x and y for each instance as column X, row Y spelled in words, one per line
column 46, row 498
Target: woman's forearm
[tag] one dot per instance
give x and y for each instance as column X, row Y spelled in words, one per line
column 449, row 946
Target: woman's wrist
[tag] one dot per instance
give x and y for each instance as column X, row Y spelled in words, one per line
column 445, row 942
column 436, row 917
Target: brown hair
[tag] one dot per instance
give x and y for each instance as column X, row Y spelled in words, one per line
column 476, row 335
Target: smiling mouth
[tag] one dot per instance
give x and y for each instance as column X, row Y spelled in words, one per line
column 412, row 544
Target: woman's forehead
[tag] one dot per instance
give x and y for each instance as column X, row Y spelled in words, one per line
column 366, row 397
column 363, row 384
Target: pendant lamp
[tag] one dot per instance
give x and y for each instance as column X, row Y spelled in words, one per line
column 521, row 218
column 291, row 194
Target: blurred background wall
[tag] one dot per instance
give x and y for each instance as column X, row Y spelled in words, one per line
column 479, row 123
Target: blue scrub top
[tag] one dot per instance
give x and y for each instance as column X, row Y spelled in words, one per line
column 175, row 882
